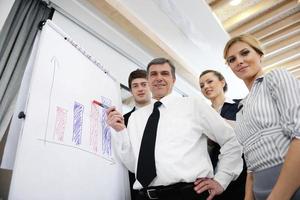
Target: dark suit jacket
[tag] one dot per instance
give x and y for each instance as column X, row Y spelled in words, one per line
column 131, row 175
column 127, row 115
column 236, row 189
column 229, row 110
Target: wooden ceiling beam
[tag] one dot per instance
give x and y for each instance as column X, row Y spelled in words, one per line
column 277, row 47
column 289, row 65
column 218, row 3
column 283, row 57
column 282, row 34
column 296, row 74
column 249, row 13
column 286, row 7
column 277, row 26
column 295, row 69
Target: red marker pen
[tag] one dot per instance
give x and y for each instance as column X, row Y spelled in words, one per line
column 100, row 104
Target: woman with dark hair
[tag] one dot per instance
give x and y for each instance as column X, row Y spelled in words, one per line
column 213, row 87
column 268, row 126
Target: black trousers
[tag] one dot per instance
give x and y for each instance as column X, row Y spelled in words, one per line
column 178, row 191
column 133, row 192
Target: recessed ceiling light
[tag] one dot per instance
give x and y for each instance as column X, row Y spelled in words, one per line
column 235, row 2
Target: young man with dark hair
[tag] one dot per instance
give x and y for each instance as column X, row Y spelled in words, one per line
column 139, row 88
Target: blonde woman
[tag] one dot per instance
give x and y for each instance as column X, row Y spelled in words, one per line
column 268, row 125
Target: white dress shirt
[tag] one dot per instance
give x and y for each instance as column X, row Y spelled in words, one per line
column 181, row 143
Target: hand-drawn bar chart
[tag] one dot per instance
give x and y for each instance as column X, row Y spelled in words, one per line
column 99, row 135
column 76, row 126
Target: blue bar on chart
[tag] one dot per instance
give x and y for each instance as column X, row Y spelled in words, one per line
column 77, row 123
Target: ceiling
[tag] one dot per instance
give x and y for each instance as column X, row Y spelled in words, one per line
column 185, row 32
column 173, row 29
column 190, row 35
column 276, row 23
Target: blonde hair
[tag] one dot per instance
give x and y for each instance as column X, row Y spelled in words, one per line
column 246, row 38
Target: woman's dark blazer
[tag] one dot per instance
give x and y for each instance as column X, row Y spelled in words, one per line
column 236, row 189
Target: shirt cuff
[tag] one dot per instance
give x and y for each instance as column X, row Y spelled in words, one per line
column 296, row 134
column 223, row 179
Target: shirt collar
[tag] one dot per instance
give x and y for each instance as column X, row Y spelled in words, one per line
column 152, row 101
column 137, row 107
column 226, row 100
column 229, row 100
column 165, row 100
column 260, row 78
column 257, row 80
